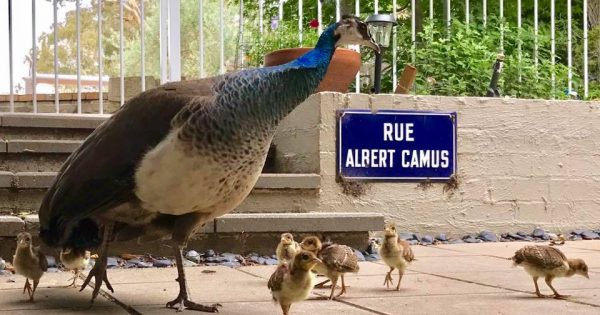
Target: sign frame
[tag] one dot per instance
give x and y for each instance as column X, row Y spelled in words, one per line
column 340, row 113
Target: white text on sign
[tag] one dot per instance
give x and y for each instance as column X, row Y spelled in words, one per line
column 384, row 158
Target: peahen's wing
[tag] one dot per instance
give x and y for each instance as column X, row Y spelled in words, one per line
column 99, row 174
column 42, row 261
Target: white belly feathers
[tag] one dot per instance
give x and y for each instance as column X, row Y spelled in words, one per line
column 170, row 181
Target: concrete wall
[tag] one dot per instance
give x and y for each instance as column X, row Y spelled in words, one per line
column 521, row 164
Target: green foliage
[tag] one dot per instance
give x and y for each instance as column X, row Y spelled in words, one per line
column 462, row 63
column 284, row 36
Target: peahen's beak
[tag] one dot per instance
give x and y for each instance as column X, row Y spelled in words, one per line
column 368, row 41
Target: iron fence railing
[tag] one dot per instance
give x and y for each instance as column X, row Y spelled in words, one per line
column 170, row 37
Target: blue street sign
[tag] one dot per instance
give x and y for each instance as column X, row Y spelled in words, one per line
column 396, row 145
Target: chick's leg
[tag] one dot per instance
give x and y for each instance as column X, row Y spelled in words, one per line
column 343, row 287
column 388, row 278
column 537, row 289
column 27, row 287
column 35, row 284
column 99, row 270
column 333, row 285
column 285, row 309
column 556, row 294
column 400, row 274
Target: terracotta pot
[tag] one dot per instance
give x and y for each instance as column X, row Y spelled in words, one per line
column 340, row 73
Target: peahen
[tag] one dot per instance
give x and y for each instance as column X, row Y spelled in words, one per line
column 177, row 156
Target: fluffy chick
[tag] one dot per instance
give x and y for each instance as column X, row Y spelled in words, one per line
column 76, row 260
column 292, row 282
column 336, row 260
column 548, row 262
column 287, row 248
column 396, row 253
column 29, row 262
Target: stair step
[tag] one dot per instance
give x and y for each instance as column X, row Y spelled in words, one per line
column 36, row 180
column 42, row 146
column 65, row 121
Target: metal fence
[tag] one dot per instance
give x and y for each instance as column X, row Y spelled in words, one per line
column 170, row 38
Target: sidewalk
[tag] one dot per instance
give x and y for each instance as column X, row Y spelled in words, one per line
column 447, row 279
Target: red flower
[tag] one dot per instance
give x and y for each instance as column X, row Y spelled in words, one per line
column 314, row 23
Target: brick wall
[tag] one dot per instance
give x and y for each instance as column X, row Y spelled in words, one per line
column 521, row 164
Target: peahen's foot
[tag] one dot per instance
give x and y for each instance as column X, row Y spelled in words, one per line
column 99, row 274
column 184, row 303
column 540, row 295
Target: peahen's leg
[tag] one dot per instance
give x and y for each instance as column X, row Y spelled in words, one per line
column 183, row 298
column 185, row 225
column 99, row 270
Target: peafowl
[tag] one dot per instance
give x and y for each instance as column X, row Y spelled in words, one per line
column 179, row 155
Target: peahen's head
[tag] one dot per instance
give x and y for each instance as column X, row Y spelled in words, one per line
column 350, row 30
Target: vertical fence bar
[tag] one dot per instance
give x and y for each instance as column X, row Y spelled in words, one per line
column 357, row 47
column 376, row 7
column 585, row 50
column 280, row 14
column 535, row 36
column 260, row 16
column 121, row 72
column 201, row 35
column 320, row 16
column 431, row 10
column 569, row 49
column 395, row 49
column 78, row 32
column 241, row 39
column 100, row 56
column 413, row 30
column 56, row 92
column 174, row 40
column 552, row 46
column 10, row 58
column 142, row 48
column 338, row 14
column 519, row 24
column 222, row 38
column 448, row 16
column 164, row 45
column 467, row 12
column 501, row 3
column 484, row 12
column 33, row 58
column 300, row 28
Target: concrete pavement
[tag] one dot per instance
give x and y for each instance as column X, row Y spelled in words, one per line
column 446, row 279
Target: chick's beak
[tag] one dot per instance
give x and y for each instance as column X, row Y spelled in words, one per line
column 317, row 260
column 587, row 276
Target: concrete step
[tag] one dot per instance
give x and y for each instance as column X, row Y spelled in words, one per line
column 239, row 233
column 23, row 192
column 20, row 126
column 35, row 155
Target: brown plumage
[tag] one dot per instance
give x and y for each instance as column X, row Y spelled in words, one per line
column 292, row 282
column 336, row 260
column 287, row 248
column 396, row 253
column 548, row 262
column 29, row 262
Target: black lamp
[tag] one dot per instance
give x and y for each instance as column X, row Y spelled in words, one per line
column 380, row 27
